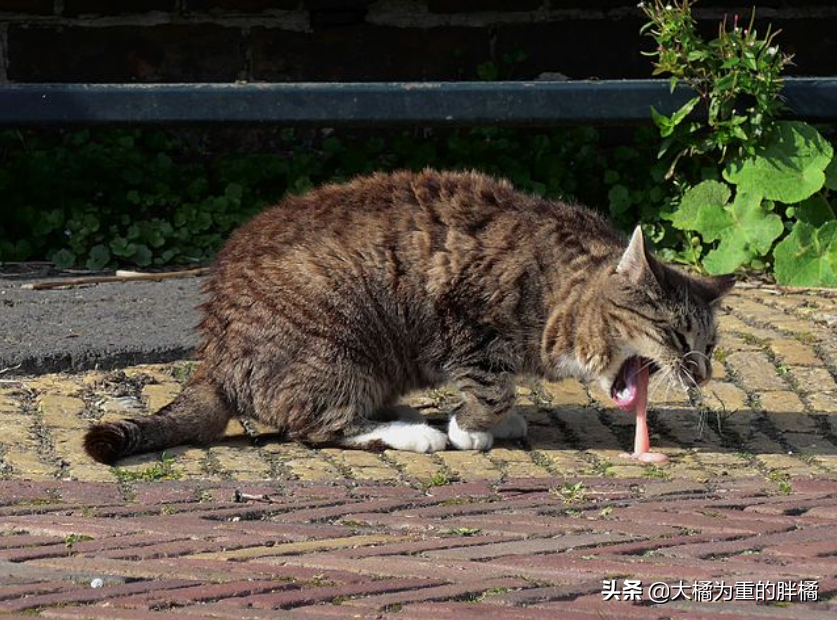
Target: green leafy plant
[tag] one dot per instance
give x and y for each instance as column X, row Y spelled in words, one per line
column 746, row 179
column 461, row 531
column 737, row 78
column 808, row 255
column 148, row 198
column 782, row 480
column 439, row 479
column 164, row 470
column 573, row 492
column 720, row 184
column 71, row 539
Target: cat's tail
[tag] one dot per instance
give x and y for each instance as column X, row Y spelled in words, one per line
column 198, row 415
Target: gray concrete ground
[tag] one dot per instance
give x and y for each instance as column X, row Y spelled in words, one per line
column 94, row 326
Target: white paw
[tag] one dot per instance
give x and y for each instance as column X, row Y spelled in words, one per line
column 403, row 436
column 423, row 438
column 468, row 440
column 513, row 427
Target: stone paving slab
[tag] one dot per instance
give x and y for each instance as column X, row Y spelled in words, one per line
column 254, row 527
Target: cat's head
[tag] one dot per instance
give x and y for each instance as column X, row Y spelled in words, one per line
column 660, row 317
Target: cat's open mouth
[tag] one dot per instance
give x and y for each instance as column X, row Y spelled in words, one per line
column 624, row 389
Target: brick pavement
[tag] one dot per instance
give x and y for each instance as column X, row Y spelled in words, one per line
column 255, row 528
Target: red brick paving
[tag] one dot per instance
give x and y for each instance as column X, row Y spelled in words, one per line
column 513, row 550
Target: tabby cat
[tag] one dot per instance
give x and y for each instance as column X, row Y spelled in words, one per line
column 326, row 309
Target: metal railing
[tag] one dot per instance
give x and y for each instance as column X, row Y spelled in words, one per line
column 371, row 104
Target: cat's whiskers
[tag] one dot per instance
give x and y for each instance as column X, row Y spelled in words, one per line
column 653, row 394
column 684, row 376
column 696, row 352
column 664, row 377
column 675, row 381
column 669, row 385
column 656, row 381
column 648, row 364
column 677, row 374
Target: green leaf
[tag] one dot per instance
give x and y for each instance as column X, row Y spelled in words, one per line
column 749, row 232
column 619, row 198
column 755, row 223
column 142, row 256
column 788, row 168
column 155, row 237
column 122, row 247
column 831, row 174
column 90, row 223
column 815, row 210
column 22, row 249
column 202, row 221
column 684, row 111
column 98, row 257
column 700, row 207
column 234, row 191
column 662, row 121
column 64, row 259
column 808, row 256
column 167, row 255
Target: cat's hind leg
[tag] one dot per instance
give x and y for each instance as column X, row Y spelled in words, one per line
column 198, row 415
column 399, row 427
column 409, row 435
column 333, row 404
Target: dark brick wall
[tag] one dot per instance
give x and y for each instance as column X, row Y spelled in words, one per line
column 321, row 40
column 75, row 8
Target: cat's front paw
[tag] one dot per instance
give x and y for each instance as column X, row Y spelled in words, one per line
column 513, row 427
column 424, row 439
column 468, row 440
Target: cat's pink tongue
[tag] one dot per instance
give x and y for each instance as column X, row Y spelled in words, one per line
column 642, row 442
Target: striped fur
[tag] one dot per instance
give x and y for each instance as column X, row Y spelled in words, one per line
column 326, row 309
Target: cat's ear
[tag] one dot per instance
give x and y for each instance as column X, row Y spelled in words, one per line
column 634, row 263
column 713, row 288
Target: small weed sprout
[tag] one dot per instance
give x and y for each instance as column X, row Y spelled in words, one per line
column 164, row 470
column 573, row 493
column 71, row 539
